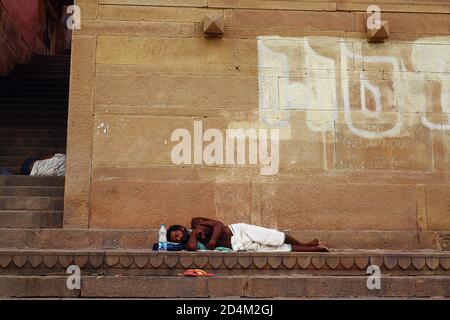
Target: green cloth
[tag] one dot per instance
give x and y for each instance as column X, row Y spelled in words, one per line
column 202, row 247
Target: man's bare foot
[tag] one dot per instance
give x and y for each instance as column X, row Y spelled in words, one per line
column 323, row 249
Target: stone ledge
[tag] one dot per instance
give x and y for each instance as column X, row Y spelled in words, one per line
column 82, row 239
column 216, row 287
column 115, row 261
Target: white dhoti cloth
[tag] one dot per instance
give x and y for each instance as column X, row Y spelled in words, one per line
column 248, row 237
column 55, row 166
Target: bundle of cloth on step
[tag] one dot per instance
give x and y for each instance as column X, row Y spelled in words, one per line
column 55, row 166
column 248, row 237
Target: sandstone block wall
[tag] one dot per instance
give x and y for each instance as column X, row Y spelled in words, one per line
column 364, row 128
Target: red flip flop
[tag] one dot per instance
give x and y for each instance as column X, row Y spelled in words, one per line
column 196, row 273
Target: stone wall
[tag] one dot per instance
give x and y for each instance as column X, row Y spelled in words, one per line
column 364, row 128
column 22, row 29
column 15, row 46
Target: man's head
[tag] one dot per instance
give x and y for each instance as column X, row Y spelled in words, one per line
column 178, row 234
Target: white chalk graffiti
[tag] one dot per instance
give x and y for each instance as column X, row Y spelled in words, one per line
column 317, row 75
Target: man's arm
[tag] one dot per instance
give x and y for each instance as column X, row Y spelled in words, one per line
column 191, row 245
column 217, row 230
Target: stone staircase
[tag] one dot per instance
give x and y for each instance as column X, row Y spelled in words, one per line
column 31, row 202
column 33, row 122
column 120, row 264
column 142, row 274
column 35, row 251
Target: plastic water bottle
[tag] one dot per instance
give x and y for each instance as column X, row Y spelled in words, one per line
column 162, row 244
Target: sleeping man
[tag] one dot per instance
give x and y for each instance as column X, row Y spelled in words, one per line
column 238, row 237
column 47, row 165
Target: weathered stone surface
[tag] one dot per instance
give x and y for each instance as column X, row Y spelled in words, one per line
column 347, row 262
column 363, row 127
column 138, row 287
column 35, row 287
column 221, row 201
column 418, row 262
column 164, row 51
column 146, row 138
column 404, row 262
column 227, row 287
column 355, row 150
column 377, row 207
column 301, row 286
column 19, row 260
column 436, row 287
column 50, row 261
column 332, row 262
column 138, row 13
column 89, row 8
column 437, row 24
column 209, row 91
column 392, row 240
column 79, row 136
column 393, row 6
column 438, row 207
column 262, row 287
column 293, row 19
column 132, row 28
column 169, row 3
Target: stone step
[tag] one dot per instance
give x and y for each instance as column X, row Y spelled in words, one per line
column 33, row 108
column 44, row 84
column 21, row 89
column 36, row 70
column 32, row 191
column 61, row 70
column 31, row 219
column 37, row 122
column 10, row 170
column 33, row 94
column 144, row 274
column 54, row 58
column 36, row 114
column 38, row 101
column 33, row 142
column 12, row 87
column 33, row 86
column 50, row 65
column 39, row 77
column 8, row 203
column 51, row 61
column 12, row 161
column 20, row 132
column 27, row 181
column 151, row 263
column 144, row 239
column 19, row 105
column 77, row 239
column 41, row 70
column 235, row 287
column 29, row 151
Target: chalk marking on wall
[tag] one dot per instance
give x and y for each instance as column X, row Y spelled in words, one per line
column 279, row 94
